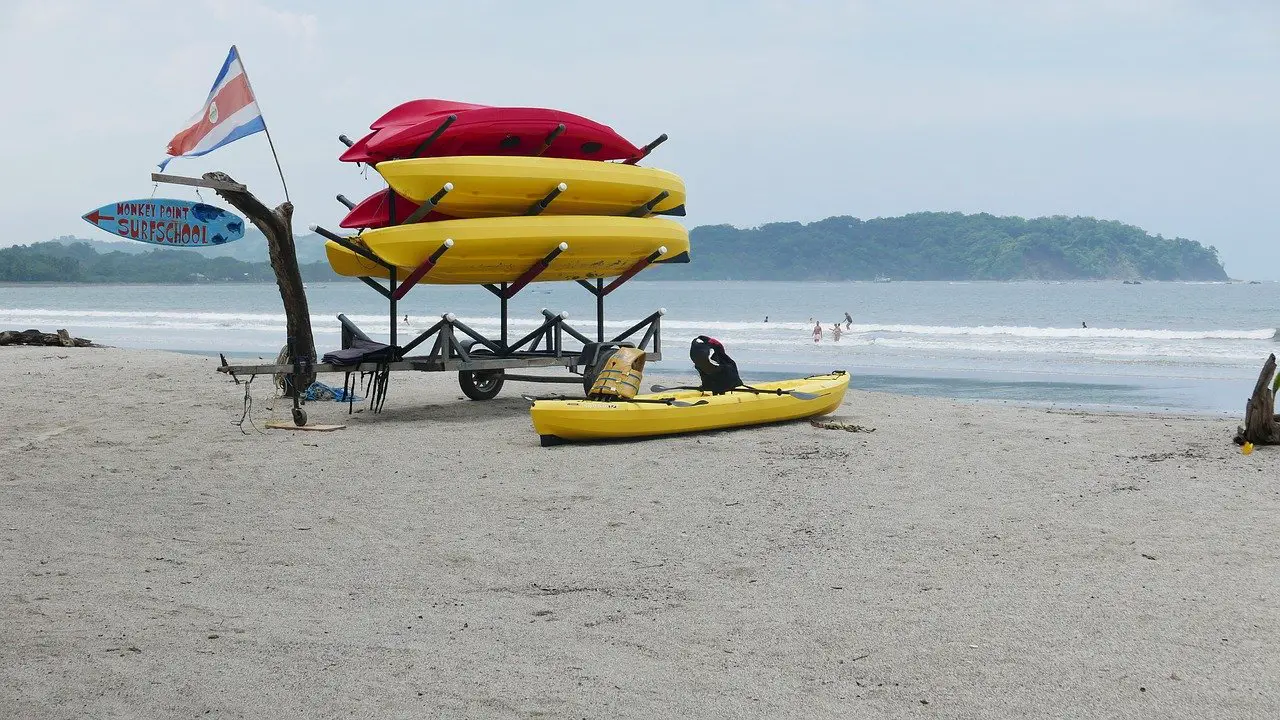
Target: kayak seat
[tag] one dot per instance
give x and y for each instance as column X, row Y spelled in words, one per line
column 595, row 355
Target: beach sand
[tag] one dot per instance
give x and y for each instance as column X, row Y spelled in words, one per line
column 962, row 561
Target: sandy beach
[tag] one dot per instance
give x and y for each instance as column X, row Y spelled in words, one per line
column 962, row 561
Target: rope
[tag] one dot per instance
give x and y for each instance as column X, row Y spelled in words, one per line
column 376, row 387
column 248, row 409
column 282, row 379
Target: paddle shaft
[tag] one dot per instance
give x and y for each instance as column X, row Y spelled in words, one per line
column 797, row 394
column 656, row 401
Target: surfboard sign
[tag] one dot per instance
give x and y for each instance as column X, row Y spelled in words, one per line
column 174, row 223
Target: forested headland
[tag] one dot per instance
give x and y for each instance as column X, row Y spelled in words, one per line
column 945, row 246
column 921, row 246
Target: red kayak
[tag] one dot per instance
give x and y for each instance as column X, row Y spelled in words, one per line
column 375, row 211
column 423, row 128
column 416, row 111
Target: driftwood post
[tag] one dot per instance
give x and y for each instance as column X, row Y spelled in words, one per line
column 1261, row 424
column 277, row 225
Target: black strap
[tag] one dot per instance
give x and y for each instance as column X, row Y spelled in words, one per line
column 758, row 391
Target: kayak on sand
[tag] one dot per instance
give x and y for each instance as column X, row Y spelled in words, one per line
column 558, row 421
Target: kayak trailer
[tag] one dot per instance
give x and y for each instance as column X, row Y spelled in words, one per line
column 482, row 363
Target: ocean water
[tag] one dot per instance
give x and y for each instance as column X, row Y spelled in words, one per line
column 1187, row 347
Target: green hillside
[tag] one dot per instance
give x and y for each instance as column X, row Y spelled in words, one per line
column 922, row 246
column 56, row 261
column 945, row 246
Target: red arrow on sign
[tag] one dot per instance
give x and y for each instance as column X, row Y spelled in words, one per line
column 95, row 216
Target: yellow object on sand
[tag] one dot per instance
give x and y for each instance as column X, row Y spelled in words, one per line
column 497, row 250
column 621, row 375
column 496, row 186
column 561, row 420
column 1247, row 448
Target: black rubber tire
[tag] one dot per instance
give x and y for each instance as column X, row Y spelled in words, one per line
column 299, row 416
column 484, row 384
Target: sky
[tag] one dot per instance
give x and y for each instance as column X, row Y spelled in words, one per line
column 1160, row 113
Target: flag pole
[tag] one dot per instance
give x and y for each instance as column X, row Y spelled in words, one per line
column 276, row 157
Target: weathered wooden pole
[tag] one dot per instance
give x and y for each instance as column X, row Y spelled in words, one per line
column 277, row 226
column 1261, row 426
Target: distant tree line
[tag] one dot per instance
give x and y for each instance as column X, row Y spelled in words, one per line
column 922, row 246
column 943, row 246
column 79, row 262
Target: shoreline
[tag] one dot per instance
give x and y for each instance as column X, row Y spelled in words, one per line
column 434, row 560
column 676, row 377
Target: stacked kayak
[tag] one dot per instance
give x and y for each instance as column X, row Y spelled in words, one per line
column 687, row 410
column 507, row 186
column 489, row 186
column 498, row 250
column 484, row 130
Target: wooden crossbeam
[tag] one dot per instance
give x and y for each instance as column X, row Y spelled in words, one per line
column 198, row 182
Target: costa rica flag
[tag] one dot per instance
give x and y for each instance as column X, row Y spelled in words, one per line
column 229, row 113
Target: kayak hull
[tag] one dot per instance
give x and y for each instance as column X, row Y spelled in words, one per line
column 496, row 186
column 584, row 420
column 484, row 130
column 498, row 250
column 384, row 208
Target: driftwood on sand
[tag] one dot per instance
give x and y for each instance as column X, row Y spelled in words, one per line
column 277, row 226
column 61, row 338
column 1261, row 424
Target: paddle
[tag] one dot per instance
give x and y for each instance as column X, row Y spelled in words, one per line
column 657, row 401
column 662, row 401
column 797, row 394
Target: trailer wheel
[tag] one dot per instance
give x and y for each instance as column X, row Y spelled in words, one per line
column 299, row 417
column 481, row 384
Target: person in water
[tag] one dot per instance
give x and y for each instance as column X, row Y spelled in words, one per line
column 817, row 332
column 766, row 318
column 1083, row 325
column 848, row 321
column 835, row 332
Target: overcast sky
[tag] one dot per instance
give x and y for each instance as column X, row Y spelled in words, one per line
column 1160, row 113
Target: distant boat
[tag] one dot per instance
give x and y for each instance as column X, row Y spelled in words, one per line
column 882, row 278
column 1132, row 282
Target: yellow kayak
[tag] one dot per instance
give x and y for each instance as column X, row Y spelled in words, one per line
column 497, row 250
column 493, row 186
column 564, row 420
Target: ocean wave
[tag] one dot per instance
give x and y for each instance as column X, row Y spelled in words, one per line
column 751, row 332
column 177, row 314
column 1067, row 333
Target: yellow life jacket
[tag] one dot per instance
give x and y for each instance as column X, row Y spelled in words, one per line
column 620, row 377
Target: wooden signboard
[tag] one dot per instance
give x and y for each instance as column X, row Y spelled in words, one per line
column 173, row 223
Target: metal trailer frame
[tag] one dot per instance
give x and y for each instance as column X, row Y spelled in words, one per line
column 480, row 362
